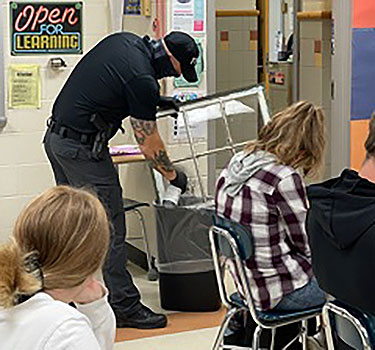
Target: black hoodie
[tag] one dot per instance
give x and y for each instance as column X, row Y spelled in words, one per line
column 341, row 229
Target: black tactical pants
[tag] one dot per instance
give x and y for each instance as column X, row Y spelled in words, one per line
column 73, row 165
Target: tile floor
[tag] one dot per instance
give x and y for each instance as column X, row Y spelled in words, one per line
column 184, row 331
column 201, row 339
column 197, row 340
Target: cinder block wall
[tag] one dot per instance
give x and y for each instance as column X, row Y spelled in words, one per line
column 235, row 4
column 236, row 67
column 140, row 25
column 315, row 71
column 236, row 52
column 316, row 5
column 24, row 171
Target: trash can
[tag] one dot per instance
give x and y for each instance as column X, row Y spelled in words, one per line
column 187, row 279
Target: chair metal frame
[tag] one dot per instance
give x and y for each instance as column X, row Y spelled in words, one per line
column 152, row 271
column 233, row 308
column 346, row 314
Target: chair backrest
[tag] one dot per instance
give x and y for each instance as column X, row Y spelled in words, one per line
column 234, row 241
column 241, row 235
column 351, row 326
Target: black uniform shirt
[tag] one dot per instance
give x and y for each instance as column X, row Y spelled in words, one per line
column 115, row 79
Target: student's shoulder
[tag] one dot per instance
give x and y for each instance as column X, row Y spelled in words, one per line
column 281, row 172
column 275, row 176
column 64, row 326
column 39, row 320
column 52, row 311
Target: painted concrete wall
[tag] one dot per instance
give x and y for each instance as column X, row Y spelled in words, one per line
column 24, row 171
column 235, row 4
column 315, row 70
column 140, row 25
column 316, row 5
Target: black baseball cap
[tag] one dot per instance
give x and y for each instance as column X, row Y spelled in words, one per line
column 184, row 48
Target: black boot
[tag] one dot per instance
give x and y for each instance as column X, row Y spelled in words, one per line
column 144, row 318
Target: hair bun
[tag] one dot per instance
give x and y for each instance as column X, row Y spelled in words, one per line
column 14, row 278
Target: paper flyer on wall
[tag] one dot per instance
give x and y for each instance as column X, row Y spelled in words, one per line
column 189, row 16
column 24, row 86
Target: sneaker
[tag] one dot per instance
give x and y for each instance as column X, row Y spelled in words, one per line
column 144, row 318
column 317, row 342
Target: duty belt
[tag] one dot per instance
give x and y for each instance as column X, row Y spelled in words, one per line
column 66, row 132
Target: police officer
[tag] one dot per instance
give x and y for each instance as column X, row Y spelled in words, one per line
column 115, row 80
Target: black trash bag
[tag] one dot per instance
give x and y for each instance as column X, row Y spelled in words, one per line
column 182, row 236
column 187, row 279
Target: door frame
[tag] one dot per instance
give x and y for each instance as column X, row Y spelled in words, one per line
column 263, row 42
column 3, row 118
column 342, row 17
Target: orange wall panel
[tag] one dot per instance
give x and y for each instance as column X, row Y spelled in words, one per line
column 363, row 13
column 358, row 135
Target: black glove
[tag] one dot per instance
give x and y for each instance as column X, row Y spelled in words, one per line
column 180, row 181
column 166, row 103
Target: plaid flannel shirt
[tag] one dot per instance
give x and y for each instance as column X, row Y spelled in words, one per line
column 273, row 205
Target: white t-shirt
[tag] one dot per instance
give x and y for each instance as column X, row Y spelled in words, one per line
column 42, row 323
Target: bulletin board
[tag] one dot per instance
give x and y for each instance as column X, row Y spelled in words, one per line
column 363, row 78
column 363, row 68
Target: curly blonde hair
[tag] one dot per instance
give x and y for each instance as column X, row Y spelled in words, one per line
column 296, row 136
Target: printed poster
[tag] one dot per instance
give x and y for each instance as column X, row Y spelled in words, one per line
column 189, row 16
column 196, row 121
column 277, row 78
column 180, row 82
column 24, row 86
column 132, row 7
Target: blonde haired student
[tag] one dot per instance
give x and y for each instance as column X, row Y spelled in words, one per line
column 59, row 241
column 263, row 189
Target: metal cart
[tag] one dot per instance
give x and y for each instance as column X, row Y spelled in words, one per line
column 187, row 279
column 221, row 101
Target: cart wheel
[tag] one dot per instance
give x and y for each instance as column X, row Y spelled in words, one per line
column 153, row 275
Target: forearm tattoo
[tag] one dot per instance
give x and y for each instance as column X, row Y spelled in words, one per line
column 161, row 161
column 142, row 129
